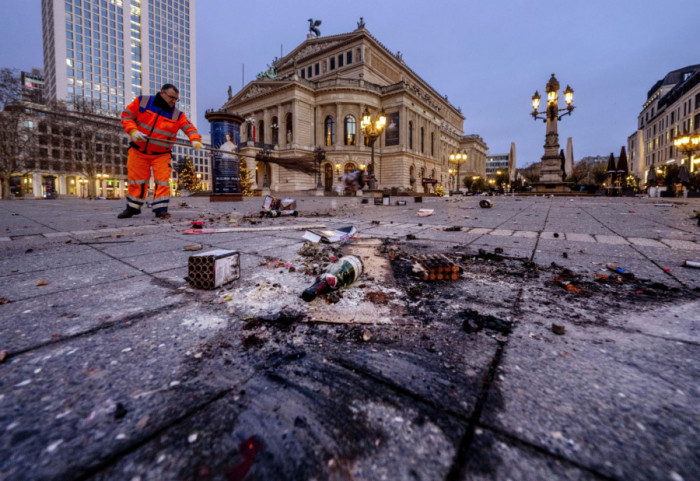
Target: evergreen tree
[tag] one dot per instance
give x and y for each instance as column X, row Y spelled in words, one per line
column 246, row 179
column 187, row 177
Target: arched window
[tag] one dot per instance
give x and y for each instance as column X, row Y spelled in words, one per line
column 329, row 135
column 261, row 132
column 275, row 131
column 290, row 130
column 350, row 130
column 410, row 135
column 422, row 140
column 349, row 167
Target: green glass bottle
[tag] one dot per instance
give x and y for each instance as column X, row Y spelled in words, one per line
column 340, row 273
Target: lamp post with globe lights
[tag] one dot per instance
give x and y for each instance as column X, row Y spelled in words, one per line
column 372, row 127
column 551, row 174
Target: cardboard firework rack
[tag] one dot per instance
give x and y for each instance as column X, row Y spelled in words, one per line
column 212, row 269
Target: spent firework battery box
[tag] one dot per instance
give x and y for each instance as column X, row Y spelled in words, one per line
column 212, row 269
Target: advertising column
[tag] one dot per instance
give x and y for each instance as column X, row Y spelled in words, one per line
column 225, row 140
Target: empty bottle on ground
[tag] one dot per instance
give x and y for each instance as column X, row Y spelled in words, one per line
column 340, row 273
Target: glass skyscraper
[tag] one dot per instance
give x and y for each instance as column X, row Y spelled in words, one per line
column 111, row 51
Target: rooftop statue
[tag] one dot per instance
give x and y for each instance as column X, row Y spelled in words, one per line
column 313, row 27
column 270, row 73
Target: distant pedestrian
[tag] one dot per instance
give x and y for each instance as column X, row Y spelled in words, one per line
column 352, row 181
column 153, row 122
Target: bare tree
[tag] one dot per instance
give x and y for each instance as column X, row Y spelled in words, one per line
column 17, row 133
column 91, row 129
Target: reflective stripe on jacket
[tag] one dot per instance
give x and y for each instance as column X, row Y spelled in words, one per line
column 159, row 124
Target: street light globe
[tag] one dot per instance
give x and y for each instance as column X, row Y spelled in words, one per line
column 569, row 94
column 536, row 100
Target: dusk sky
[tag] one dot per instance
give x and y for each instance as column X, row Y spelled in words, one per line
column 487, row 56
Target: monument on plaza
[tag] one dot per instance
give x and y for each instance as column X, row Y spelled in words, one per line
column 552, row 174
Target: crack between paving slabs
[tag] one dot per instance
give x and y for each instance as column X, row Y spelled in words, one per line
column 523, row 443
column 634, row 247
column 106, row 327
column 116, row 456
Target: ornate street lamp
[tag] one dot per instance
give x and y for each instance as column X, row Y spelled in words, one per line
column 320, row 156
column 688, row 144
column 458, row 158
column 551, row 161
column 372, row 127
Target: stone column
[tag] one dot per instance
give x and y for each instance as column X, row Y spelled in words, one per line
column 62, row 185
column 36, row 185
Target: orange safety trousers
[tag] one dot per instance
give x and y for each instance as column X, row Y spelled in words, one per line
column 139, row 167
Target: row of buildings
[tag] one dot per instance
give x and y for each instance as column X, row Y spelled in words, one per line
column 672, row 108
column 109, row 51
column 106, row 52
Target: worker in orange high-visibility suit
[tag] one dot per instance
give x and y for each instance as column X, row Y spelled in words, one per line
column 153, row 123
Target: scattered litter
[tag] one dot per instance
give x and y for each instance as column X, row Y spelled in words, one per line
column 120, row 411
column 694, row 264
column 330, row 236
column 475, row 322
column 485, row 204
column 197, row 224
column 623, row 272
column 193, row 247
column 431, row 267
column 42, row 283
column 340, row 273
column 185, row 205
column 424, row 212
column 3, row 300
column 400, row 202
column 251, row 229
column 278, row 213
column 366, row 335
column 212, row 269
column 558, row 329
column 3, row 355
column 663, row 205
column 248, row 449
column 454, row 228
column 556, row 235
column 192, row 438
column 410, row 237
column 271, row 203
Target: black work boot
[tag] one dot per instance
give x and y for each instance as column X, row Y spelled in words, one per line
column 128, row 212
column 162, row 214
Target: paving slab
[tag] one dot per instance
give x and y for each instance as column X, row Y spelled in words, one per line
column 394, row 378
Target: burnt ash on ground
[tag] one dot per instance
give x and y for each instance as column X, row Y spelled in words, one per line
column 323, row 398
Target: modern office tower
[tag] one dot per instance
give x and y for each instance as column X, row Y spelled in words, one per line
column 111, row 51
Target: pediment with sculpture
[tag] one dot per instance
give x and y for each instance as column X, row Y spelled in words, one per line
column 308, row 51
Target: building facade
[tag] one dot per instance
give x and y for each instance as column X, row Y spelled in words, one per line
column 110, row 51
column 671, row 109
column 316, row 97
column 106, row 52
column 496, row 163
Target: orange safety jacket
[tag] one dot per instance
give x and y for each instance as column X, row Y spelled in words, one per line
column 157, row 123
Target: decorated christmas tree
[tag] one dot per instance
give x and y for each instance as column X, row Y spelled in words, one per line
column 187, row 178
column 246, row 180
